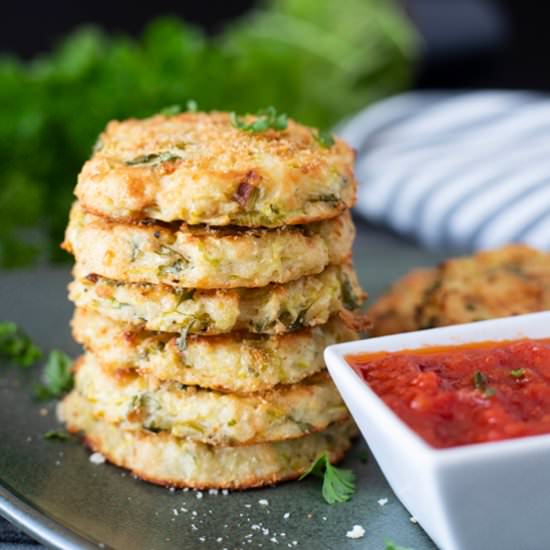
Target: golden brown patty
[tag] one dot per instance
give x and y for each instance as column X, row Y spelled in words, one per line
column 396, row 311
column 511, row 280
column 142, row 403
column 273, row 309
column 198, row 168
column 239, row 362
column 199, row 257
column 167, row 460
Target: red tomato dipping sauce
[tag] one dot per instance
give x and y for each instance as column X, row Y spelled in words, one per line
column 474, row 393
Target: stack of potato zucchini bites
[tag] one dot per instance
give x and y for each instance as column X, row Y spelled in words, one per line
column 213, row 266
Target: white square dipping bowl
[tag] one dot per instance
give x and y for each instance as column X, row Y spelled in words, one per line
column 486, row 496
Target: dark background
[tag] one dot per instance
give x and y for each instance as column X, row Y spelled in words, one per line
column 466, row 43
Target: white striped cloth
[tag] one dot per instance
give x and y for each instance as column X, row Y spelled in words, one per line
column 466, row 171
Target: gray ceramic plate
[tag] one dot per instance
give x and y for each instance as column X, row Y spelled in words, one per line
column 58, row 496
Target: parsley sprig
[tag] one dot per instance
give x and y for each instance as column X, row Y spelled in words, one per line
column 17, row 346
column 265, row 119
column 57, row 376
column 338, row 484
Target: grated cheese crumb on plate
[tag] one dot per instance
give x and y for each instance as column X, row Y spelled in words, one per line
column 356, row 532
column 97, row 458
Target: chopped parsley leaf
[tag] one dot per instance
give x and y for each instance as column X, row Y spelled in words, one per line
column 324, row 138
column 181, row 340
column 363, row 456
column 265, row 119
column 56, row 435
column 349, row 298
column 152, row 158
column 171, row 110
column 481, row 383
column 517, row 373
column 192, row 106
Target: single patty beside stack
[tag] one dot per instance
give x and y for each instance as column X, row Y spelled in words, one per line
column 213, row 266
column 511, row 280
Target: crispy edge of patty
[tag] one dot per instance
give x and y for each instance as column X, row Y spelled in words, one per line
column 168, row 461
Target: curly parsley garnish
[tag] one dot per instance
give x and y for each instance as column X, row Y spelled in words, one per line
column 57, row 376
column 17, row 346
column 481, row 383
column 265, row 119
column 338, row 484
column 324, row 138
